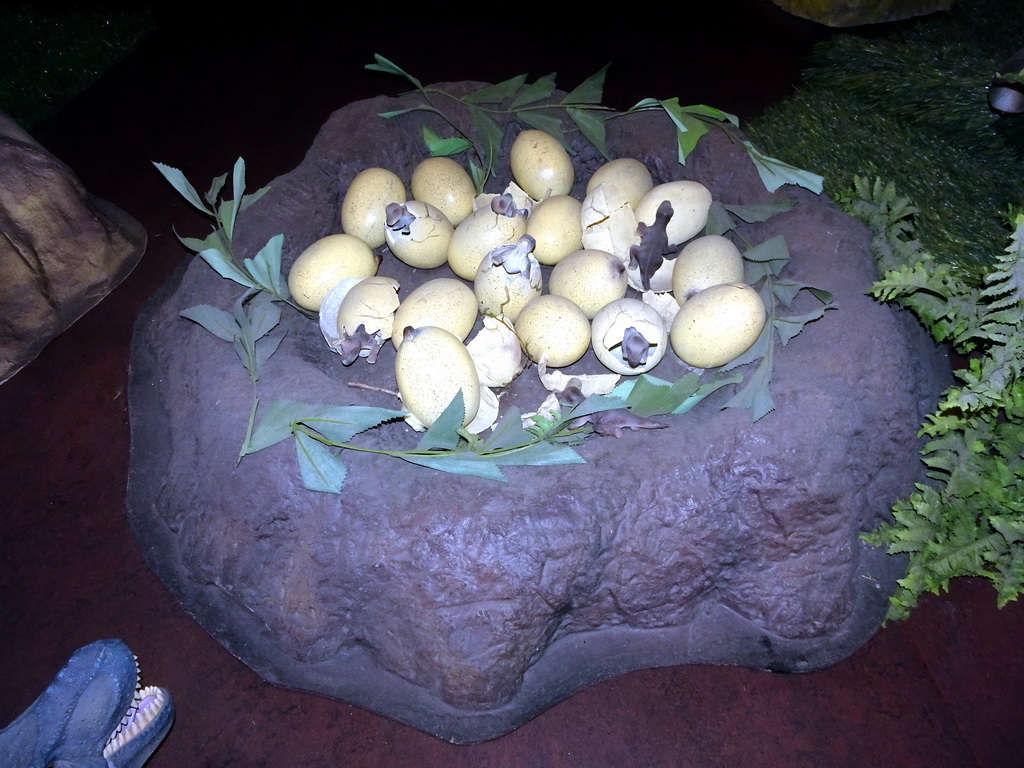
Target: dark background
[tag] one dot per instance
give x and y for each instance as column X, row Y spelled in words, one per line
column 211, row 84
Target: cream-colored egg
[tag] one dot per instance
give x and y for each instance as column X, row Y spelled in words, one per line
column 446, row 185
column 629, row 175
column 590, row 278
column 432, row 365
column 370, row 303
column 479, row 234
column 508, row 277
column 443, row 302
column 318, row 268
column 555, row 224
column 540, row 164
column 690, row 201
column 704, row 262
column 553, row 328
column 629, row 336
column 717, row 325
column 609, row 222
column 362, row 209
column 418, row 233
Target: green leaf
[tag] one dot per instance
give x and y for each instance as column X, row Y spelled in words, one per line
column 536, row 91
column 760, row 211
column 590, row 90
column 774, row 173
column 687, row 137
column 648, row 396
column 405, row 111
column 440, row 147
column 541, row 454
column 181, row 184
column 506, row 433
column 380, row 64
column 218, row 322
column 719, row 221
column 490, row 134
column 216, row 186
column 320, row 467
column 457, row 463
column 238, row 186
column 712, row 112
column 263, row 315
column 764, row 259
column 492, row 94
column 277, row 423
column 227, row 268
column 443, row 434
column 340, row 423
column 593, row 127
column 754, row 393
column 265, row 267
column 789, row 326
column 549, row 122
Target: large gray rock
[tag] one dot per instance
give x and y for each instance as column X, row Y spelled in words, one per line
column 463, row 606
column 61, row 249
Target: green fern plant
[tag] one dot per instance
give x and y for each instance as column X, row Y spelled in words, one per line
column 969, row 520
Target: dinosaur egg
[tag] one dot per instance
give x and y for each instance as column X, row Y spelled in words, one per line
column 717, row 325
column 443, row 302
column 555, row 224
column 540, row 164
column 589, row 278
column 704, row 262
column 432, row 366
column 362, row 209
column 324, row 263
column 418, row 233
column 444, row 184
column 628, row 175
column 479, row 234
column 554, row 328
column 690, row 201
column 370, row 303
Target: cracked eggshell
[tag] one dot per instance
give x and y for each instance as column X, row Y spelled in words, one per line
column 424, row 244
column 496, row 351
column 371, row 303
column 499, row 293
column 540, row 164
column 608, row 222
column 443, row 183
column 479, row 234
column 628, row 175
column 555, row 224
column 432, row 365
column 590, row 278
column 362, row 209
column 319, row 268
column 717, row 325
column 609, row 327
column 690, row 201
column 443, row 302
column 554, row 329
column 704, row 262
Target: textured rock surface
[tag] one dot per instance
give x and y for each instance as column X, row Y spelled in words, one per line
column 464, row 607
column 61, row 249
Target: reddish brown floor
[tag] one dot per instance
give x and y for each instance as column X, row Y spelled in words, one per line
column 942, row 689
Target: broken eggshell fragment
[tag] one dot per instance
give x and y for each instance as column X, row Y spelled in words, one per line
column 608, row 221
column 496, row 352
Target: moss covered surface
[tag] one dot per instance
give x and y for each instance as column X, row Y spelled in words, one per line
column 909, row 103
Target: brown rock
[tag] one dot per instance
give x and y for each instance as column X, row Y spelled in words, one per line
column 61, row 249
column 464, row 606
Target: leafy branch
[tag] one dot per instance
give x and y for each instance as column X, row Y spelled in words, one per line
column 250, row 322
column 323, row 432
column 969, row 521
column 530, row 102
column 260, row 273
